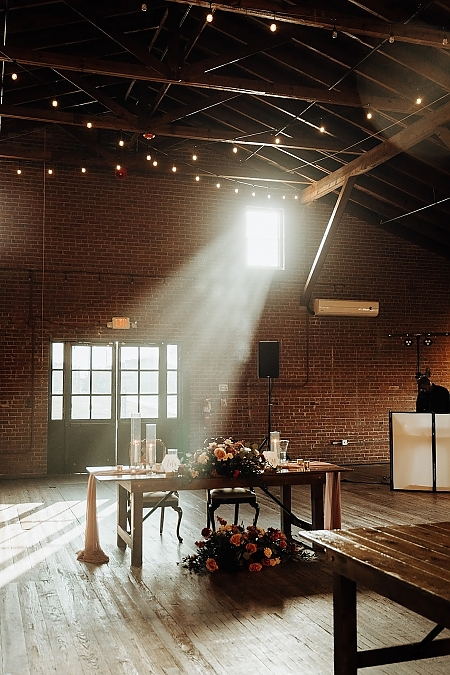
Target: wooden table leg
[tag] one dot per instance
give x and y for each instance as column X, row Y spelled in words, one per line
column 317, row 519
column 136, row 528
column 285, row 518
column 121, row 514
column 344, row 626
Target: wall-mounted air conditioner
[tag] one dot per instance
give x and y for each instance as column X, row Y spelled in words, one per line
column 346, row 307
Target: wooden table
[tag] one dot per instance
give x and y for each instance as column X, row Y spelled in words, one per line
column 409, row 564
column 134, row 485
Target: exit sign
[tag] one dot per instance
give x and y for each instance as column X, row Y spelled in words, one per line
column 120, row 322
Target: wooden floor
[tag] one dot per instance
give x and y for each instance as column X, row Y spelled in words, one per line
column 58, row 615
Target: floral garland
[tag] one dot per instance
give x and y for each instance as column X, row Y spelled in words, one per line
column 225, row 457
column 231, row 547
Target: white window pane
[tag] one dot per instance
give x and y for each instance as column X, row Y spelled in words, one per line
column 81, row 382
column 101, row 407
column 57, row 408
column 101, row 382
column 172, row 357
column 172, row 407
column 172, row 382
column 149, row 406
column 128, row 406
column 129, row 382
column 262, row 253
column 264, row 230
column 57, row 355
column 81, row 357
column 102, row 358
column 129, row 358
column 149, row 382
column 81, row 409
column 149, row 358
column 57, row 382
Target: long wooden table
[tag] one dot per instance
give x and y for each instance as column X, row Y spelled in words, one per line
column 134, row 485
column 409, row 564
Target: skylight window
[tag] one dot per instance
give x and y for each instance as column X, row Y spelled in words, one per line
column 265, row 238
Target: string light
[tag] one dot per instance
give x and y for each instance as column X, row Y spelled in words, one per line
column 273, row 27
column 174, row 168
column 236, row 190
column 155, row 163
column 83, row 169
column 322, row 129
column 89, row 125
column 194, row 157
column 197, row 178
column 235, row 149
column 418, row 100
column 284, row 197
column 369, row 115
column 277, row 140
column 253, row 194
column 391, row 38
column 217, row 185
column 50, row 172
column 14, row 76
column 149, row 158
column 55, row 103
column 19, row 171
column 118, row 167
column 268, row 196
column 121, row 141
column 209, row 16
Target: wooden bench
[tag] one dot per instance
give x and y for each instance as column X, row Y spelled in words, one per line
column 409, row 564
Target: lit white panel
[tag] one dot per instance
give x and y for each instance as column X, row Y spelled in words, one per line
column 411, row 451
column 442, row 426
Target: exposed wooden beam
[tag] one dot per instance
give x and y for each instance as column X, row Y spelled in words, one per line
column 327, row 240
column 386, row 150
column 136, row 71
column 307, row 15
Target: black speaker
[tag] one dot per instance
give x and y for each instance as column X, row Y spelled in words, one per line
column 269, row 359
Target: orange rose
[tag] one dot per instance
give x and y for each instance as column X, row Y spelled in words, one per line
column 220, row 454
column 255, row 567
column 251, row 548
column 211, row 565
column 267, row 552
column 235, row 539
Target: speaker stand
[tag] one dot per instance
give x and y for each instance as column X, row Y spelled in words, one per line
column 266, row 441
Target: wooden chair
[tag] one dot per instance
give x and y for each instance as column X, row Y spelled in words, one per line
column 162, row 500
column 234, row 496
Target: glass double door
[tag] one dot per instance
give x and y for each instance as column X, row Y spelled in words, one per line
column 94, row 391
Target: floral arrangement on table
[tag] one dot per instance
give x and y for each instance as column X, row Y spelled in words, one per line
column 226, row 457
column 232, row 547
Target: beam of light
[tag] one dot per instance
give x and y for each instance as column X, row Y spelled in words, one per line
column 19, row 560
column 214, row 305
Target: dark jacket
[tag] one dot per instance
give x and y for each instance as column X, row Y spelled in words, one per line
column 437, row 400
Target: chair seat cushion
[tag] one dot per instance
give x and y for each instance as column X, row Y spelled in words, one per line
column 152, row 498
column 237, row 493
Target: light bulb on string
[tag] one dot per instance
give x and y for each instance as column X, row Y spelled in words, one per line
column 83, row 169
column 209, row 16
column 273, row 27
column 50, row 172
column 217, row 185
column 197, row 178
column 155, row 163
column 148, row 158
column 253, row 194
column 236, row 190
column 194, row 157
column 174, row 169
column 89, row 125
column 55, row 103
column 322, row 129
column 235, row 149
column 14, row 76
column 369, row 115
column 19, row 171
column 418, row 100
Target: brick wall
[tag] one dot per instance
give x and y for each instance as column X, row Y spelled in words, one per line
column 76, row 250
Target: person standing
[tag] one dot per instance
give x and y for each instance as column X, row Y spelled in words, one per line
column 432, row 397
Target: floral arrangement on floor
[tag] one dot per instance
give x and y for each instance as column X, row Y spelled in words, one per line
column 232, row 547
column 226, row 457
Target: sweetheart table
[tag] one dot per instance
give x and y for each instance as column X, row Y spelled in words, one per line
column 322, row 477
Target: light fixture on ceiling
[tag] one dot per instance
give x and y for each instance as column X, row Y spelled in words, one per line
column 273, row 26
column 428, row 342
column 408, row 342
column 121, row 141
column 209, row 16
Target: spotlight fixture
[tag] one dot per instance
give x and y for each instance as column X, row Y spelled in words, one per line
column 14, row 76
column 428, row 342
column 408, row 342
